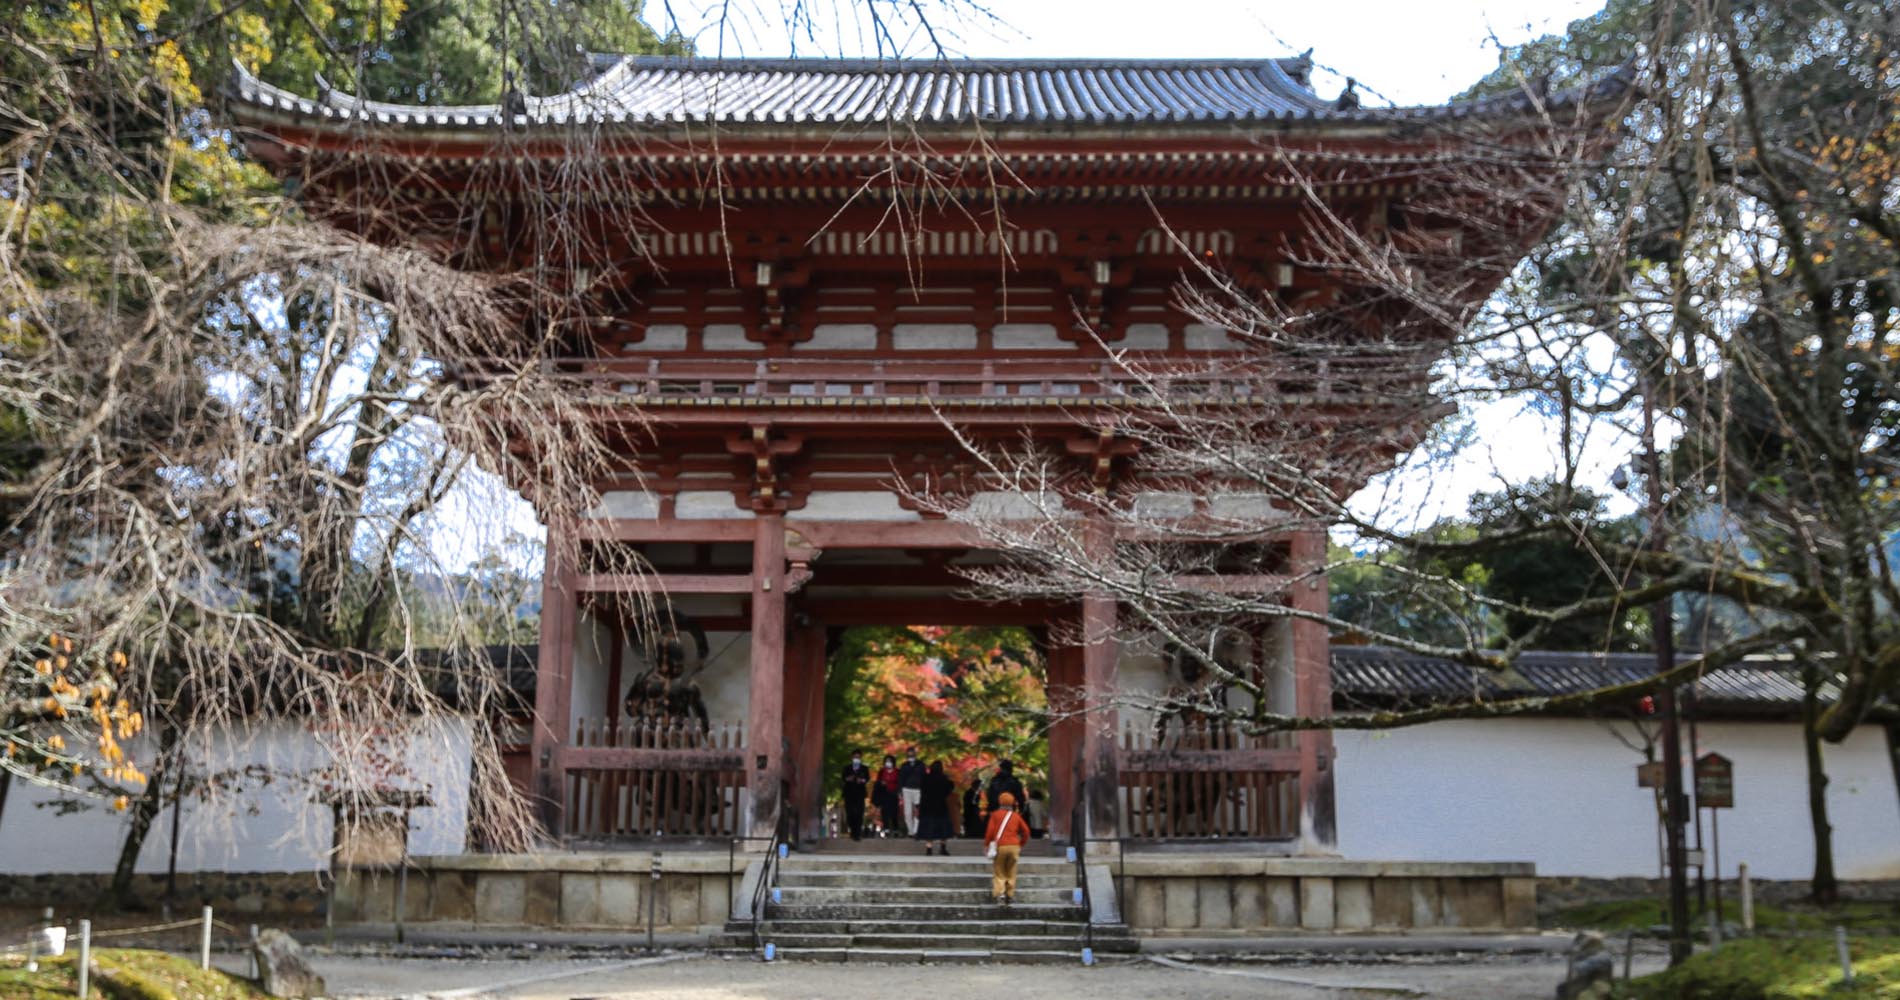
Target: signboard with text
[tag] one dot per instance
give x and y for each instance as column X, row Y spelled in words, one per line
column 1714, row 782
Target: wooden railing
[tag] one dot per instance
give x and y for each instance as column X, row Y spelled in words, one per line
column 654, row 778
column 1201, row 780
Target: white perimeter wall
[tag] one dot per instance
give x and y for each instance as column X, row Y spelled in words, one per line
column 1562, row 793
column 251, row 827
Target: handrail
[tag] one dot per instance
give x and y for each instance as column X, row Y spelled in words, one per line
column 1079, row 842
column 781, row 836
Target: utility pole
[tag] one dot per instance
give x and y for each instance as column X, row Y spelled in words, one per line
column 1662, row 620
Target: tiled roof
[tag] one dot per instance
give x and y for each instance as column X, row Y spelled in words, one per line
column 1368, row 675
column 673, row 90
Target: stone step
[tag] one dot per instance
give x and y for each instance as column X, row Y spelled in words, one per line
column 1043, row 847
column 936, row 912
column 882, row 881
column 917, row 956
column 954, row 942
column 1001, row 927
column 918, row 866
column 906, row 895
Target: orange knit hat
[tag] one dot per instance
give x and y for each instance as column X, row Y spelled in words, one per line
column 1006, row 799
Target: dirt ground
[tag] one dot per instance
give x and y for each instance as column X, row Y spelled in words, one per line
column 703, row 978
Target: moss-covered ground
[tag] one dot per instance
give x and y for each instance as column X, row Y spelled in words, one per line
column 124, row 974
column 1779, row 968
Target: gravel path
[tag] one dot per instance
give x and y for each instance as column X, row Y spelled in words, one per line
column 701, row 978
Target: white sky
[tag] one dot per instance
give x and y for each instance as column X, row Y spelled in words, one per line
column 1399, row 51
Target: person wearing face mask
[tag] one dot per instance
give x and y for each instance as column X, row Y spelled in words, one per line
column 910, row 785
column 885, row 797
column 857, row 781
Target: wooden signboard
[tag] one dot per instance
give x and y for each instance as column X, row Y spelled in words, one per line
column 1649, row 774
column 1714, row 782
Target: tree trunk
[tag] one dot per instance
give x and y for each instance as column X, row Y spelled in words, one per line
column 1824, row 888
column 144, row 810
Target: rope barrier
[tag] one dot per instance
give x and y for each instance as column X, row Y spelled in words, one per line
column 124, row 931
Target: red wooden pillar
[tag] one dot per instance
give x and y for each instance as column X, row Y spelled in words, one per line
column 805, row 722
column 1065, row 681
column 554, row 682
column 1313, row 693
column 1101, row 772
column 765, row 731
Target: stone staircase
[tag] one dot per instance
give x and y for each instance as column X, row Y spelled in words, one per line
column 881, row 906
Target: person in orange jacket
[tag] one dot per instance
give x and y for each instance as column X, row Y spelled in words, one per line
column 1007, row 833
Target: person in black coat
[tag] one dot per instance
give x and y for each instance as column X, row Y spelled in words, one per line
column 973, row 808
column 933, row 810
column 857, row 781
column 1005, row 781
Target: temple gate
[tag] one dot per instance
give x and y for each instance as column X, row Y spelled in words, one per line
column 829, row 265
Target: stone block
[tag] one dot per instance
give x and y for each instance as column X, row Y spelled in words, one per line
column 1427, row 909
column 580, row 900
column 1181, row 901
column 346, row 898
column 415, row 896
column 1451, row 903
column 500, row 898
column 1283, row 902
column 1148, row 909
column 1316, row 904
column 1216, row 904
column 453, row 897
column 1480, row 902
column 679, row 901
column 376, row 897
column 1352, row 904
column 1250, row 903
column 1520, row 902
column 1392, row 902
column 620, row 904
column 541, row 905
column 715, row 899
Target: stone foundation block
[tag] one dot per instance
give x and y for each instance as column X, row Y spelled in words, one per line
column 1352, row 904
column 541, row 899
column 1250, row 904
column 1149, row 907
column 1181, row 903
column 679, row 902
column 1427, row 902
column 580, row 900
column 619, row 903
column 1316, row 903
column 1217, row 904
column 1283, row 902
column 452, row 897
column 1392, row 902
column 500, row 898
column 1520, row 902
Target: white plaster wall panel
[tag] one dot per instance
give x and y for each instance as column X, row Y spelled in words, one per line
column 725, row 679
column 1143, row 337
column 1155, row 504
column 727, row 337
column 1029, row 337
column 1017, row 506
column 706, row 505
column 852, row 505
column 254, row 827
column 593, row 648
column 1141, row 678
column 840, row 337
column 933, row 337
column 1562, row 793
column 1243, row 506
column 1201, row 337
column 628, row 504
column 661, row 337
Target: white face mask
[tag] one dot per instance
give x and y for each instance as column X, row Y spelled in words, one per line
column 857, row 760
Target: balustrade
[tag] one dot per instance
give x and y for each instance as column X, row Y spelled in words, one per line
column 655, row 777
